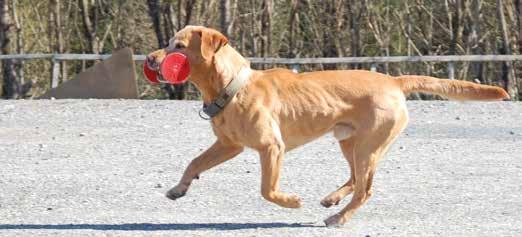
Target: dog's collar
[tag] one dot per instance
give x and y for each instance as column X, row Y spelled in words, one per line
column 226, row 94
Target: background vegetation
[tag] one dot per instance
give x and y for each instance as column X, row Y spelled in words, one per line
column 263, row 28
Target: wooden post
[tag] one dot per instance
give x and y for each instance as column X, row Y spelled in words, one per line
column 295, row 68
column 373, row 67
column 451, row 70
column 55, row 72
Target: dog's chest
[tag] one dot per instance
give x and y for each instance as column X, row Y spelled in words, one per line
column 226, row 127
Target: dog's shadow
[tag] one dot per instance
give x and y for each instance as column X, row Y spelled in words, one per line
column 155, row 227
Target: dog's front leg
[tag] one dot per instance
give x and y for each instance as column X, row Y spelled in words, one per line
column 215, row 155
column 271, row 160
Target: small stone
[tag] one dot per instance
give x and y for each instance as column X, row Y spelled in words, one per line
column 248, row 171
column 402, row 148
column 457, row 118
column 158, row 186
column 49, row 208
column 511, row 132
column 82, row 134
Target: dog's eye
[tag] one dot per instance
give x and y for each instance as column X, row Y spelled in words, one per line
column 179, row 46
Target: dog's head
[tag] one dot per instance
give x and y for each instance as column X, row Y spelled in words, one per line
column 213, row 63
column 199, row 44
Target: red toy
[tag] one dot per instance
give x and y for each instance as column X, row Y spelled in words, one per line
column 173, row 70
column 152, row 76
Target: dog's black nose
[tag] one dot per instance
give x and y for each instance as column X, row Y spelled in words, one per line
column 150, row 59
column 151, row 62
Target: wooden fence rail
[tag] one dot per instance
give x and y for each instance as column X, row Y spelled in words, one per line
column 294, row 62
column 346, row 60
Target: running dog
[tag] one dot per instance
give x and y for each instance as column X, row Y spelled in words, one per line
column 274, row 111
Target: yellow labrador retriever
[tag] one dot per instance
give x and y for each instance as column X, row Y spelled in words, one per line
column 277, row 110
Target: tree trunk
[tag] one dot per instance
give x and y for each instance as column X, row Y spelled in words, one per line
column 518, row 7
column 356, row 11
column 294, row 5
column 155, row 16
column 55, row 34
column 10, row 87
column 189, row 7
column 19, row 64
column 338, row 24
column 253, row 28
column 89, row 27
column 475, row 19
column 266, row 28
column 507, row 68
column 168, row 22
column 232, row 18
column 224, row 9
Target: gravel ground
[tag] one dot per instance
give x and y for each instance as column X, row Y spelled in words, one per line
column 101, row 168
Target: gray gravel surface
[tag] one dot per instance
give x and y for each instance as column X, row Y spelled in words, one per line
column 101, row 168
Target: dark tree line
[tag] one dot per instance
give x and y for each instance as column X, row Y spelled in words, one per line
column 264, row 28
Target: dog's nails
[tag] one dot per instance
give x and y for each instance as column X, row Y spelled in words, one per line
column 325, row 204
column 174, row 195
column 197, row 176
column 333, row 221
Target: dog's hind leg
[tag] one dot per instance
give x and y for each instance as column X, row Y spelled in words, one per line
column 370, row 146
column 215, row 155
column 365, row 155
column 335, row 197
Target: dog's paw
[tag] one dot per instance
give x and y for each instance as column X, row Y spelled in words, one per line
column 176, row 192
column 335, row 221
column 294, row 201
column 328, row 202
column 288, row 201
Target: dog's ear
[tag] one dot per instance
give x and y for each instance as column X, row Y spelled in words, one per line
column 211, row 42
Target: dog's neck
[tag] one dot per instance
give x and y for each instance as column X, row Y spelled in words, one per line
column 227, row 65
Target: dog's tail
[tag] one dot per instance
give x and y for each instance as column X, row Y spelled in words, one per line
column 451, row 89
